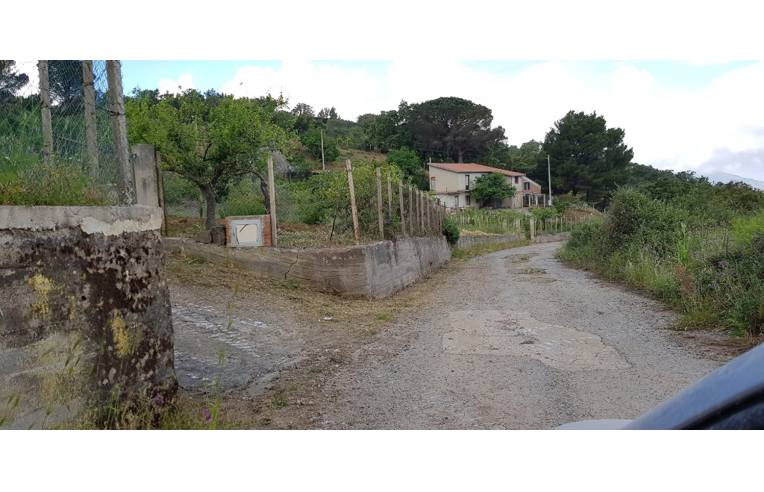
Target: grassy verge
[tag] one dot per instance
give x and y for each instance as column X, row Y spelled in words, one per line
column 485, row 248
column 710, row 271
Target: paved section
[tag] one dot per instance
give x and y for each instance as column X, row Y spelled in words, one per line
column 514, row 339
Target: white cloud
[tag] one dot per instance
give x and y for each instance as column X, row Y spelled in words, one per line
column 175, row 86
column 668, row 126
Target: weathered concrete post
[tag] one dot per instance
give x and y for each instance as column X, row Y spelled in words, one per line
column 421, row 210
column 119, row 132
column 272, row 202
column 380, row 217
column 533, row 228
column 47, row 124
column 85, row 317
column 402, row 207
column 89, row 102
column 145, row 172
column 353, row 209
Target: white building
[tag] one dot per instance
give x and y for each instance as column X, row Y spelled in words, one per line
column 451, row 183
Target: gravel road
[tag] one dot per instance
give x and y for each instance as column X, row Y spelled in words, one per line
column 514, row 339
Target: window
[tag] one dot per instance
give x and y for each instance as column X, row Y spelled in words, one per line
column 517, row 179
column 456, row 201
column 526, row 186
column 467, row 200
column 467, row 181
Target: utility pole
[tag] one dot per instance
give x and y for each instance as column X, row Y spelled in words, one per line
column 323, row 163
column 549, row 178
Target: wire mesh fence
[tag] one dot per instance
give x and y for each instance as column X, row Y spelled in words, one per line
column 57, row 133
column 361, row 204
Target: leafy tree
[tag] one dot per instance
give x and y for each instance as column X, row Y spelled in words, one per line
column 11, row 81
column 410, row 165
column 451, row 128
column 586, row 156
column 328, row 114
column 304, row 117
column 312, row 140
column 65, row 79
column 210, row 139
column 492, row 188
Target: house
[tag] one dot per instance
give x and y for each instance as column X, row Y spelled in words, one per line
column 451, row 183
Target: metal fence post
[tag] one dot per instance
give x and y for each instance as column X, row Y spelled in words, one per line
column 47, row 124
column 353, row 209
column 119, row 130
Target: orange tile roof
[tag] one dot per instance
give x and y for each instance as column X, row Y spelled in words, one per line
column 472, row 167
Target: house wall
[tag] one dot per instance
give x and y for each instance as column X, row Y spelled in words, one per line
column 445, row 180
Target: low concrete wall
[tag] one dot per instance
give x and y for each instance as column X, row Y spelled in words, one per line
column 467, row 241
column 85, row 319
column 372, row 271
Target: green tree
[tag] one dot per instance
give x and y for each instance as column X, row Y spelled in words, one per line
column 11, row 81
column 451, row 128
column 209, row 139
column 492, row 188
column 587, row 157
column 312, row 140
column 410, row 164
column 65, row 79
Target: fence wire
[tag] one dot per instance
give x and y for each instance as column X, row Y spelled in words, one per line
column 318, row 211
column 81, row 165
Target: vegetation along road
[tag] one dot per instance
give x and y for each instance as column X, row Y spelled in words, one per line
column 512, row 339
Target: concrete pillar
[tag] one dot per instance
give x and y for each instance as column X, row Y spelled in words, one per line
column 145, row 171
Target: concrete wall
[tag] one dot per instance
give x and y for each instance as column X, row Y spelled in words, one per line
column 467, row 241
column 84, row 315
column 372, row 271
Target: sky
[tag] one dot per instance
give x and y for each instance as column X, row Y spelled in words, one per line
column 702, row 116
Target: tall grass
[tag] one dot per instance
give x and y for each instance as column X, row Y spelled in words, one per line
column 710, row 271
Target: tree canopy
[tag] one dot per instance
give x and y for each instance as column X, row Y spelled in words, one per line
column 587, row 157
column 210, row 139
column 11, row 80
column 492, row 188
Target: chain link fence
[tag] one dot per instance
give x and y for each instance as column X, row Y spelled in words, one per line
column 59, row 133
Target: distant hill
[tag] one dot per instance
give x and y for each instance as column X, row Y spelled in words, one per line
column 720, row 177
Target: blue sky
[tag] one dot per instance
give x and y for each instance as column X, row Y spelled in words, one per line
column 677, row 115
column 213, row 74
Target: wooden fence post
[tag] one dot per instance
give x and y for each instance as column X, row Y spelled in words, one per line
column 353, row 209
column 402, row 208
column 47, row 124
column 119, row 132
column 380, row 217
column 421, row 210
column 412, row 217
column 89, row 102
column 429, row 211
column 272, row 202
column 389, row 199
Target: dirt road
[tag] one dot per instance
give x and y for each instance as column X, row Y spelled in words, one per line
column 516, row 340
column 513, row 339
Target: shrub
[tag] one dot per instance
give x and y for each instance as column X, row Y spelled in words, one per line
column 178, row 190
column 451, row 231
column 682, row 255
column 243, row 199
column 57, row 183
